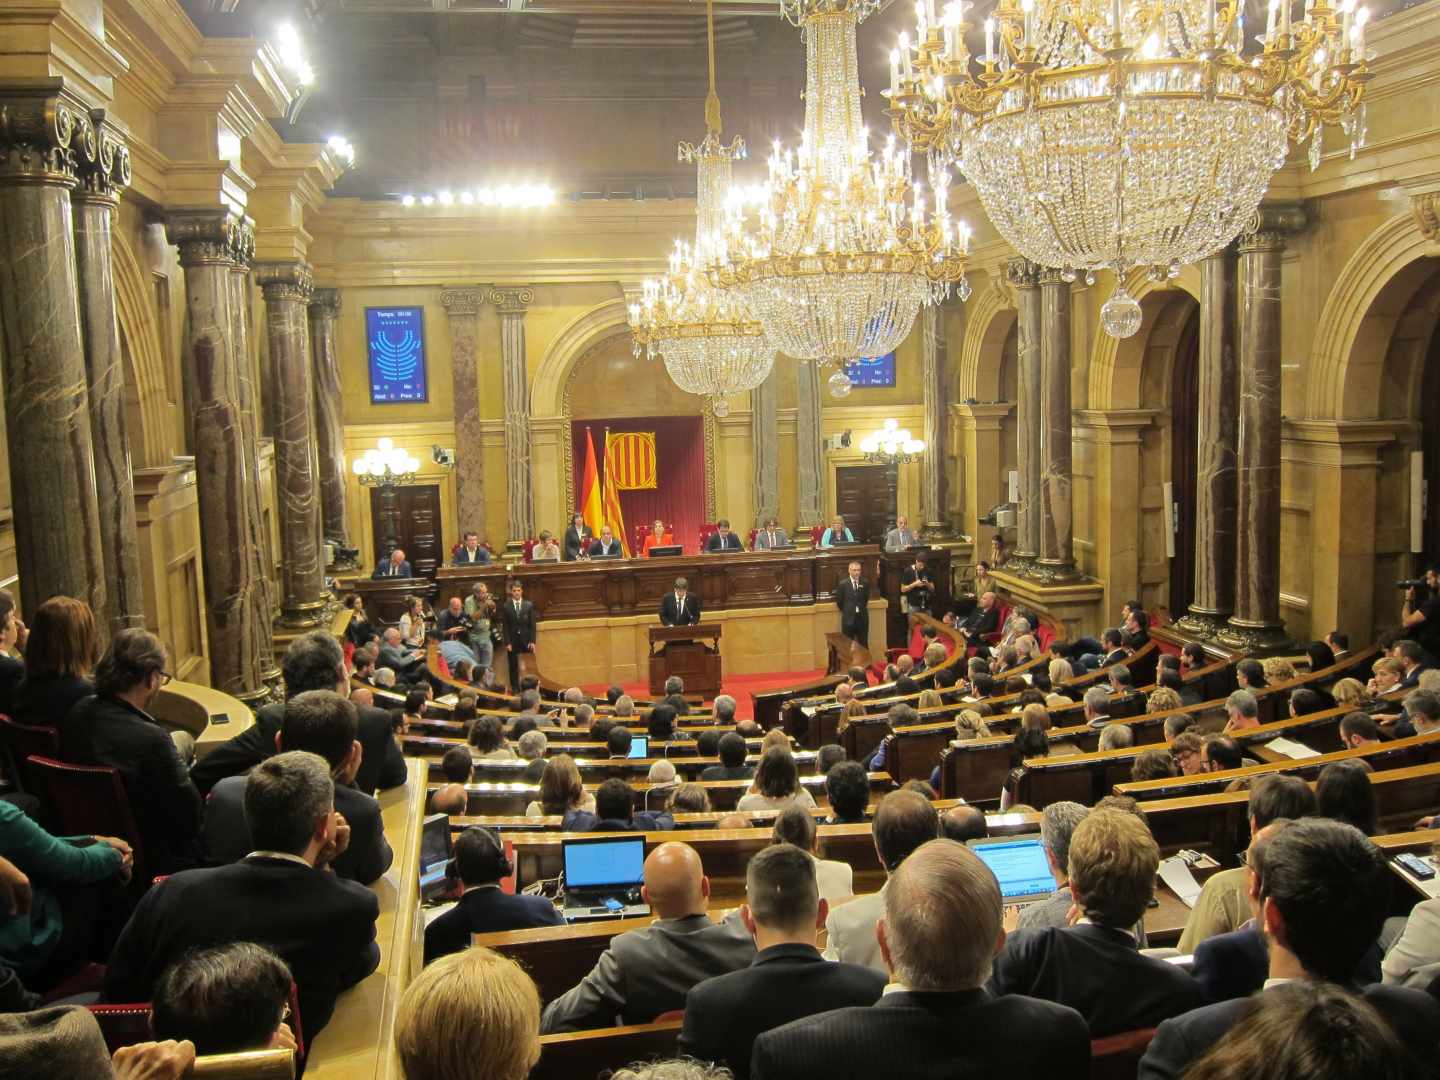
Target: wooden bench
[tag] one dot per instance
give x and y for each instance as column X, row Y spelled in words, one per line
column 587, row 1055
column 597, row 770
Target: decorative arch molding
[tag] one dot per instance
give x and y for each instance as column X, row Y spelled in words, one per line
column 987, row 322
column 575, row 340
column 1355, row 328
column 1116, row 364
column 135, row 312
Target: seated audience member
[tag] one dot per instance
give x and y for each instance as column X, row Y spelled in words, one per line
column 1154, row 764
column 1057, row 825
column 903, row 821
column 1095, row 966
column 1097, row 706
column 1351, row 692
column 964, row 823
column 1324, row 893
column 689, row 799
column 827, row 757
column 1412, row 662
column 615, row 812
column 1278, row 670
column 13, row 637
column 450, row 800
column 847, row 787
column 734, row 821
column 384, row 679
column 1163, row 699
column 1421, row 714
column 1116, row 737
column 62, row 1042
column 1358, row 729
column 480, row 864
column 395, row 657
column 112, row 728
column 60, row 656
column 788, row 979
column 707, row 744
column 724, row 710
column 1321, row 656
column 322, row 723
column 1304, row 701
column 60, row 925
column 835, row 879
column 1250, row 675
column 1223, row 904
column 649, row 971
column 1242, row 712
column 852, row 710
column 661, row 723
column 467, row 1008
column 661, row 774
column 777, row 785
column 532, row 745
column 677, row 702
column 1386, row 675
column 225, row 1000
column 940, row 931
column 313, row 661
column 1178, row 725
column 363, row 697
column 732, row 765
column 561, row 790
column 899, row 716
column 618, row 741
column 487, row 736
column 1220, row 753
column 279, row 896
column 363, row 661
column 1343, row 792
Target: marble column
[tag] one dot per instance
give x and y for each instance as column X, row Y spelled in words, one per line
column 511, row 303
column 1057, row 526
column 809, row 454
column 329, row 418
column 286, row 287
column 207, row 240
column 1217, row 433
column 94, row 202
column 463, row 307
column 933, row 371
column 1256, row 623
column 44, row 133
column 1025, row 277
column 765, row 448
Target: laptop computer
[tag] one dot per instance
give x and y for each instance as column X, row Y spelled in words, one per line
column 639, row 746
column 435, row 852
column 1019, row 864
column 603, row 878
column 660, row 551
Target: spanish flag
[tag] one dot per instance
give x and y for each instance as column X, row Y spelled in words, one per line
column 613, row 515
column 590, row 488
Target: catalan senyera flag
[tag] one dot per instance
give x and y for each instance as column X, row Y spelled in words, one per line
column 634, row 455
column 590, row 488
column 611, row 500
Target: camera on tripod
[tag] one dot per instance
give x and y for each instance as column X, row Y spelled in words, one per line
column 1412, row 583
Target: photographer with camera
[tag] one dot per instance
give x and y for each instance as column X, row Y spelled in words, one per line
column 484, row 627
column 1422, row 612
column 453, row 627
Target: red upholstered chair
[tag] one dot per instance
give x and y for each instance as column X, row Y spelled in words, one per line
column 750, row 540
column 1117, row 1057
column 1045, row 637
column 816, row 532
column 528, row 547
column 991, row 639
column 89, row 800
column 706, row 531
column 20, row 741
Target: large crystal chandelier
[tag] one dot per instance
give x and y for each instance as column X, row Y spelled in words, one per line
column 828, row 253
column 1121, row 133
column 709, row 342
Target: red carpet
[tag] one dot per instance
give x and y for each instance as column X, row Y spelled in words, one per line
column 739, row 687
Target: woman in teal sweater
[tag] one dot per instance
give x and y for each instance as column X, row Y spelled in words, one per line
column 30, row 943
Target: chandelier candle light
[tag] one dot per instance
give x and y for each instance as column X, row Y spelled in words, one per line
column 1111, row 134
column 838, row 249
column 710, row 343
column 891, row 445
column 385, row 464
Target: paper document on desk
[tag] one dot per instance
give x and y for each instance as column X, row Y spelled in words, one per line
column 1175, row 872
column 1291, row 749
column 448, row 699
column 808, row 710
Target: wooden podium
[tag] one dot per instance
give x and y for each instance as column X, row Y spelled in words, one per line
column 692, row 652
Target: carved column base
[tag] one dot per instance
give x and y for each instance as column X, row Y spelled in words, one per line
column 936, row 530
column 302, row 616
column 1050, row 572
column 1202, row 624
column 1255, row 637
column 1019, row 563
column 258, row 699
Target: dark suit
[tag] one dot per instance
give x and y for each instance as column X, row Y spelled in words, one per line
column 486, row 910
column 727, row 772
column 917, row 599
column 48, row 700
column 600, row 549
column 1413, row 1014
column 381, row 765
column 929, row 1036
column 12, row 671
column 464, row 558
column 227, row 836
column 108, row 731
column 321, row 925
column 671, row 613
column 852, row 599
column 575, row 543
column 1232, row 965
column 783, row 983
column 1099, row 972
column 387, row 569
column 728, row 542
column 980, row 622
column 519, row 634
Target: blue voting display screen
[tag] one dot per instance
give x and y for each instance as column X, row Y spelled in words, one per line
column 1020, row 867
column 395, row 340
column 872, row 370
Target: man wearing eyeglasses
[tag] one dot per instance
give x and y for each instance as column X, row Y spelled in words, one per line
column 112, row 727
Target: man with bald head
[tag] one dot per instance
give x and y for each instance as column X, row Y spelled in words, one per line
column 649, row 971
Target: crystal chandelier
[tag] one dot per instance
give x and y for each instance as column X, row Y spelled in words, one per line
column 891, row 445
column 385, row 465
column 1121, row 133
column 827, row 253
column 710, row 343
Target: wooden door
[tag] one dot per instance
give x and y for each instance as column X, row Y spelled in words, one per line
column 865, row 495
column 408, row 517
column 1184, row 455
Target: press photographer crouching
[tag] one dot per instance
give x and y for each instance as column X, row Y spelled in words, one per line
column 1422, row 613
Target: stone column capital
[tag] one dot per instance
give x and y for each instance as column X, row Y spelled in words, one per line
column 512, row 299
column 325, row 303
column 288, row 280
column 1270, row 225
column 46, row 133
column 207, row 237
column 1052, row 276
column 105, row 175
column 1022, row 273
column 465, row 300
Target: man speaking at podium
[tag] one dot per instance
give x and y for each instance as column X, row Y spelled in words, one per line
column 678, row 607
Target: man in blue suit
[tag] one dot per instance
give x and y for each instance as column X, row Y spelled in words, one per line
column 396, row 566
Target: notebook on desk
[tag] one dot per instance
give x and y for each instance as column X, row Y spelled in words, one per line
column 603, row 878
column 1020, row 866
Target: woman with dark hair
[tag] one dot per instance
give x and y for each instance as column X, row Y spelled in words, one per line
column 1343, row 792
column 1250, row 675
column 1304, row 701
column 662, row 723
column 577, row 539
column 834, row 879
column 487, row 736
column 413, row 623
column 1321, row 655
column 60, row 659
column 1030, row 742
column 360, row 630
column 776, row 785
column 561, row 790
column 12, row 638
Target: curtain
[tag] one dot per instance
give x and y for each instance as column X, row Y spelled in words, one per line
column 678, row 498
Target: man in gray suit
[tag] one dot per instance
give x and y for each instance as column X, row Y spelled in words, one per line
column 900, row 538
column 903, row 821
column 771, row 537
column 648, row 972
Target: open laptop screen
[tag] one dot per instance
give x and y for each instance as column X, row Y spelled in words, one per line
column 593, row 864
column 640, row 746
column 1019, row 865
column 434, row 849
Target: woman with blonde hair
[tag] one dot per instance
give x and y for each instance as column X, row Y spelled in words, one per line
column 1350, row 692
column 1162, row 699
column 853, row 709
column 970, row 725
column 1386, row 671
column 561, row 790
column 469, row 1014
column 60, row 658
column 1060, row 671
column 929, row 699
column 1277, row 670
